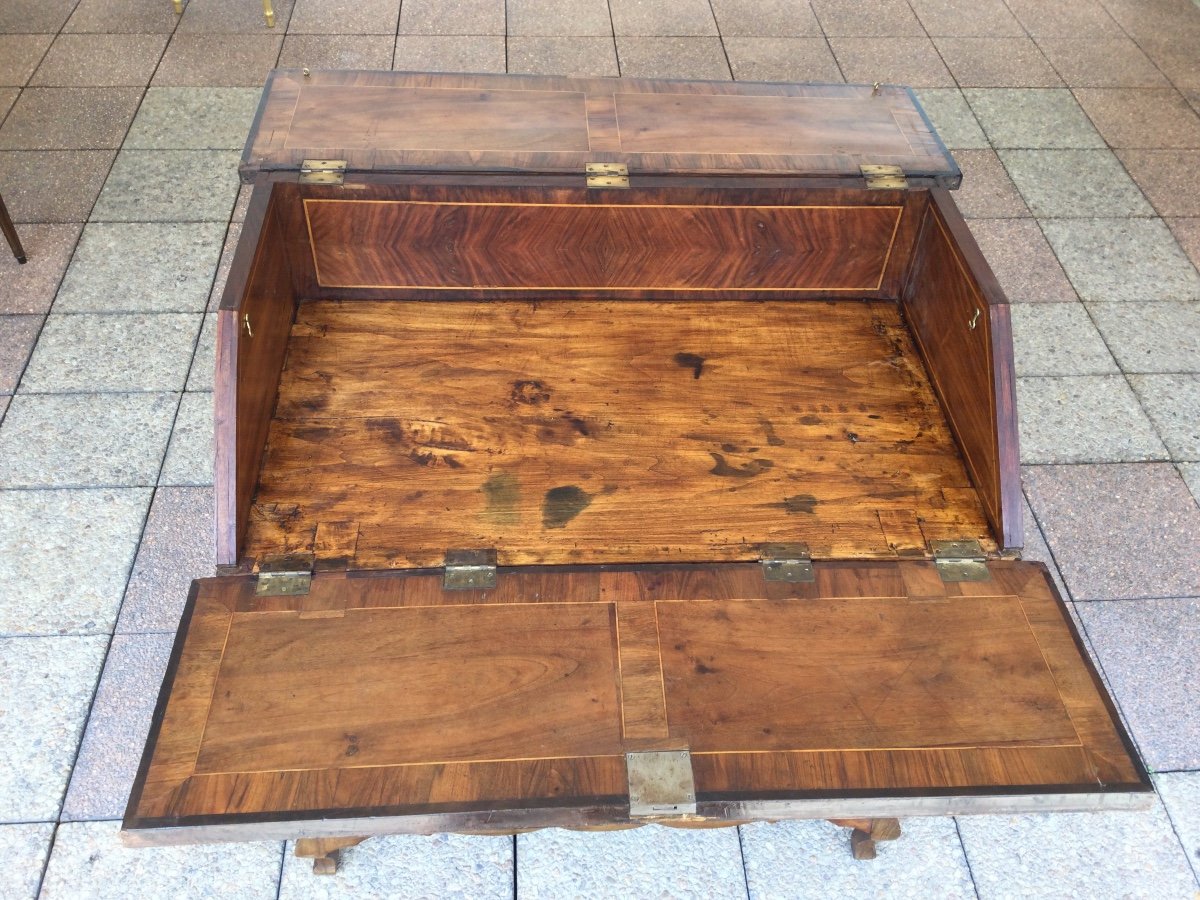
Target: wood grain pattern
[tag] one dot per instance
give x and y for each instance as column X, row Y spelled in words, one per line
column 589, row 431
column 842, row 693
column 401, row 121
column 643, row 693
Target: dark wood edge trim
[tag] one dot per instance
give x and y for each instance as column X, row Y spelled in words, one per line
column 953, row 179
column 247, row 170
column 246, row 254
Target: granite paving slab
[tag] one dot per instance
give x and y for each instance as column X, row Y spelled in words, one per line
column 1022, row 260
column 8, row 96
column 678, row 18
column 575, row 56
column 1180, row 793
column 1037, row 550
column 1108, row 854
column 85, row 440
column 1151, row 337
column 200, row 377
column 1187, row 232
column 17, row 335
column 694, row 57
column 888, row 18
column 435, row 17
column 65, row 556
column 54, row 677
column 438, row 53
column 1070, row 18
column 157, row 267
column 1165, row 176
column 169, row 186
column 1173, row 402
column 184, row 118
column 1058, row 339
column 1101, row 62
column 52, row 185
column 442, row 865
column 337, row 51
column 218, row 60
column 987, row 191
column 764, row 18
column 5, row 399
column 996, row 62
column 20, row 55
column 558, row 18
column 98, row 60
column 112, row 352
column 34, row 16
column 233, row 17
column 1150, row 652
column 25, row 848
column 1142, row 117
column 123, row 17
column 30, row 288
column 190, row 454
column 1119, row 531
column 89, row 862
column 232, row 236
column 1110, row 260
column 912, row 61
column 1033, row 118
column 624, row 865
column 178, row 546
column 751, row 58
column 1191, row 475
column 812, row 860
column 952, row 118
column 344, row 17
column 1074, row 183
column 117, row 727
column 54, row 118
column 948, row 18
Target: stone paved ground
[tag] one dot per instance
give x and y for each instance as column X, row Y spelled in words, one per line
column 1075, row 122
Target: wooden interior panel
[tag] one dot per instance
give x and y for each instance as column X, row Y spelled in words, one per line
column 779, row 690
column 596, row 247
column 595, row 431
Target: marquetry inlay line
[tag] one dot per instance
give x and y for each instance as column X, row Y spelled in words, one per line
column 603, row 133
column 643, row 695
column 1020, row 602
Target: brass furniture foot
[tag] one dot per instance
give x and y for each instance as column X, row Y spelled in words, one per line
column 324, row 852
column 269, row 12
column 178, row 7
column 866, row 832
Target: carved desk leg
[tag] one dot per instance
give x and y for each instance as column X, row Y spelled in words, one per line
column 866, row 832
column 324, row 852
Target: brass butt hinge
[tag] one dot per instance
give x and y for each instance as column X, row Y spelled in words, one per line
column 661, row 783
column 787, row 562
column 884, row 178
column 284, row 576
column 323, row 171
column 469, row 570
column 607, row 175
column 960, row 560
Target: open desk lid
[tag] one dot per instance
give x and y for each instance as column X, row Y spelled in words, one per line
column 416, row 122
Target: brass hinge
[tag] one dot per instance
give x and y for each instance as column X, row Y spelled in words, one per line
column 962, row 560
column 607, row 175
column 884, row 178
column 469, row 570
column 284, row 576
column 787, row 562
column 323, row 171
column 660, row 783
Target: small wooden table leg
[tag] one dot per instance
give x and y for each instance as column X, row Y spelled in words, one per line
column 10, row 232
column 865, row 832
column 324, row 852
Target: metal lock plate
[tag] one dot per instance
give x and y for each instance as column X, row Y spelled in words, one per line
column 660, row 783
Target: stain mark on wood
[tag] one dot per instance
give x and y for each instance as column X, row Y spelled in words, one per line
column 502, row 493
column 690, row 361
column 773, row 439
column 530, row 393
column 562, row 504
column 745, row 470
column 800, row 503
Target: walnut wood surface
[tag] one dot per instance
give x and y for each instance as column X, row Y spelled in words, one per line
column 894, row 684
column 596, row 431
column 403, row 121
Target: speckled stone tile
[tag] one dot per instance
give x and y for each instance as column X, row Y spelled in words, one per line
column 1072, row 18
column 764, row 18
column 996, row 62
column 1150, row 652
column 986, row 191
column 1104, row 854
column 759, row 58
column 1033, row 118
column 54, row 678
column 1151, row 337
column 442, row 865
column 888, row 18
column 1191, row 475
column 117, row 727
column 1165, row 176
column 677, row 18
column 1187, row 232
column 572, row 56
column 50, row 118
column 474, row 17
column 233, row 17
column 1180, row 794
column 1173, row 403
column 438, row 53
column 218, row 60
column 112, row 352
column 8, row 96
column 1018, row 253
column 52, row 185
column 980, row 18
column 17, row 334
column 190, row 454
column 20, row 55
column 337, row 51
column 174, row 118
column 558, row 18
column 34, row 16
column 1092, row 418
column 1175, row 54
column 1117, row 260
column 912, row 61
column 100, row 60
column 812, row 860
column 85, row 440
column 123, row 16
column 1141, row 117
column 644, row 862
column 1036, row 549
column 65, row 556
column 141, row 267
column 204, row 361
column 1101, row 62
column 1074, row 183
column 169, row 186
column 177, row 547
column 952, row 118
column 1119, row 531
column 692, row 57
column 232, row 236
column 29, row 288
column 25, row 848
column 345, row 17
column 5, row 399
column 1058, row 339
column 89, row 861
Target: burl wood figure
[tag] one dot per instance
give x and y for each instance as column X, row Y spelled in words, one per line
column 592, row 453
